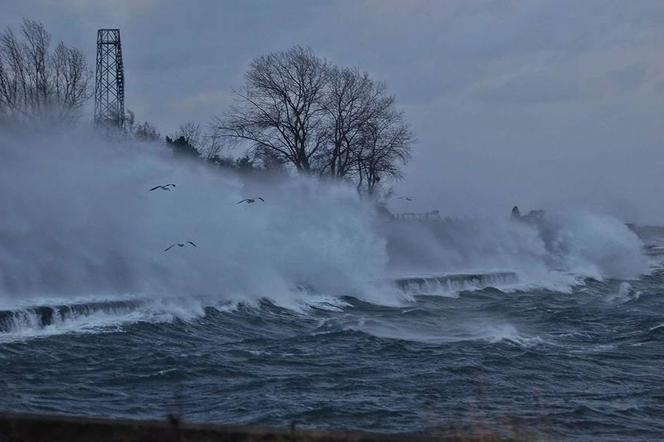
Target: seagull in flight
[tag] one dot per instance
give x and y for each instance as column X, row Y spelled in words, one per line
column 163, row 187
column 407, row 198
column 180, row 244
column 250, row 200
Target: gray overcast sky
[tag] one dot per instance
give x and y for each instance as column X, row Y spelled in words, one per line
column 539, row 103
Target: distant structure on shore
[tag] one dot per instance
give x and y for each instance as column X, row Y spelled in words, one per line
column 109, row 79
column 532, row 216
column 426, row 216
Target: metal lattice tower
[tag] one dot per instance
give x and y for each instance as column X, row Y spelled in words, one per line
column 109, row 79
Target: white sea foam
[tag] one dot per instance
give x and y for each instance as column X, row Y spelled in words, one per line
column 625, row 293
column 27, row 325
column 78, row 219
column 77, row 224
column 436, row 332
column 556, row 252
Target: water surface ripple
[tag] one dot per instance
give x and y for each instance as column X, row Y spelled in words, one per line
column 580, row 365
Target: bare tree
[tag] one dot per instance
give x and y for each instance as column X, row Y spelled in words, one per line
column 36, row 82
column 187, row 140
column 146, row 132
column 204, row 141
column 297, row 109
column 386, row 143
column 279, row 111
column 352, row 101
column 129, row 120
column 192, row 134
column 212, row 144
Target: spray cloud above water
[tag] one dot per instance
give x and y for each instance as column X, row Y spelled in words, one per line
column 78, row 218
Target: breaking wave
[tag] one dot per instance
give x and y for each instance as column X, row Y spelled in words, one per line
column 77, row 220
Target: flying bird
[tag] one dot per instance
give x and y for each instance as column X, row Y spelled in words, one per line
column 163, row 187
column 180, row 244
column 250, row 200
column 407, row 198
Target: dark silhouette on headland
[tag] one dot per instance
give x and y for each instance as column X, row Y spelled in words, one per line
column 532, row 217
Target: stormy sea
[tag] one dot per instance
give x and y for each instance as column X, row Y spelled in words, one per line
column 313, row 307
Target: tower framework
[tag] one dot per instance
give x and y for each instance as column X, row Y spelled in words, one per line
column 109, row 79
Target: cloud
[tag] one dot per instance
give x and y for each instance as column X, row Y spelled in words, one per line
column 120, row 7
column 532, row 87
column 210, row 99
column 508, row 99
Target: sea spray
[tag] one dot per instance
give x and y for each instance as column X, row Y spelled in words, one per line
column 556, row 251
column 78, row 220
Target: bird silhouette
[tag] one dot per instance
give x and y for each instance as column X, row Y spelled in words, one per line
column 250, row 200
column 163, row 187
column 180, row 244
column 407, row 198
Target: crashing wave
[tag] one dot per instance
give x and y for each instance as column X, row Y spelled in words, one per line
column 44, row 316
column 455, row 282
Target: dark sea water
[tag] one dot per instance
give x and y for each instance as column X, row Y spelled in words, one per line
column 585, row 364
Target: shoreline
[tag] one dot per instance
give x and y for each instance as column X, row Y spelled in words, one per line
column 28, row 427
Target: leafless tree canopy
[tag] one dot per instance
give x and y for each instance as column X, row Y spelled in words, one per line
column 37, row 82
column 297, row 109
column 204, row 140
column 146, row 132
column 279, row 109
column 384, row 147
column 192, row 133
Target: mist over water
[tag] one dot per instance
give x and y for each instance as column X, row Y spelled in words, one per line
column 78, row 220
column 559, row 249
